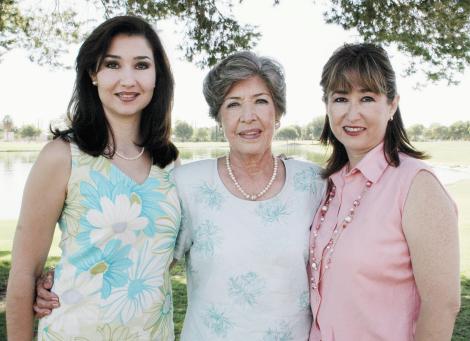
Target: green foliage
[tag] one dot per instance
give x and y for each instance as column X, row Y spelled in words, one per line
column 201, row 135
column 415, row 132
column 459, row 130
column 46, row 35
column 287, row 133
column 435, row 34
column 29, row 131
column 436, row 131
column 312, row 131
column 217, row 134
column 183, row 131
column 12, row 24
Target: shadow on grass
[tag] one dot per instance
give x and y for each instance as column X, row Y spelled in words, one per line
column 178, row 279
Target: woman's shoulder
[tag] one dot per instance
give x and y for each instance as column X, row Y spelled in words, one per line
column 304, row 166
column 193, row 169
column 56, row 153
column 409, row 163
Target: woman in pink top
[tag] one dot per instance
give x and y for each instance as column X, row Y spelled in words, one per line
column 384, row 253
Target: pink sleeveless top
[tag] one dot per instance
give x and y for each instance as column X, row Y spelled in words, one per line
column 368, row 293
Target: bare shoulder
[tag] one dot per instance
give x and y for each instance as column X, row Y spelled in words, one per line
column 427, row 196
column 425, row 184
column 56, row 151
column 55, row 160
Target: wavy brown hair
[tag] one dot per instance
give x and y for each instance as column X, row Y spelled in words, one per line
column 366, row 65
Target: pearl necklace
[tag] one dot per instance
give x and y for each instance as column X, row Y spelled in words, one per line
column 314, row 262
column 130, row 158
column 247, row 196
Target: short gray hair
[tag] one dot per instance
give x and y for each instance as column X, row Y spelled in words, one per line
column 240, row 66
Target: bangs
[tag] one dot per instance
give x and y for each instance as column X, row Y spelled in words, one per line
column 361, row 72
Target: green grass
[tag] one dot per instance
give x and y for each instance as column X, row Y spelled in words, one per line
column 460, row 192
column 7, row 232
column 449, row 153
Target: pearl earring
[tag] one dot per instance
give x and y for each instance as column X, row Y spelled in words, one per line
column 277, row 124
column 94, row 82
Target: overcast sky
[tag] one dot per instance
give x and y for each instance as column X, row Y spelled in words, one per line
column 293, row 33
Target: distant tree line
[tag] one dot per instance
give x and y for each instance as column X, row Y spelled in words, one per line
column 26, row 131
column 459, row 130
column 184, row 132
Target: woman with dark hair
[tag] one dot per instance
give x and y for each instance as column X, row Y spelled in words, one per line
column 384, row 253
column 106, row 180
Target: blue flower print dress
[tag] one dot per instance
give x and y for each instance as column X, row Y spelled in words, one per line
column 117, row 243
column 246, row 260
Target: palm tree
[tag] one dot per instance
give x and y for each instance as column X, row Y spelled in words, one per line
column 7, row 123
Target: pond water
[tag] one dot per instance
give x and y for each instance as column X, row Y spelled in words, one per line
column 15, row 167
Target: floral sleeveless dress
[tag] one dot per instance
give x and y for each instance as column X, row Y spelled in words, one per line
column 117, row 244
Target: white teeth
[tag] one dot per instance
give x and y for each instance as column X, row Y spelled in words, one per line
column 126, row 96
column 251, row 133
column 353, row 129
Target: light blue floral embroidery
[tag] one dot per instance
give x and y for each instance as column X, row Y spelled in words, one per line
column 113, row 262
column 217, row 322
column 306, row 180
column 210, row 196
column 206, row 237
column 282, row 332
column 118, row 183
column 272, row 211
column 304, row 300
column 246, row 288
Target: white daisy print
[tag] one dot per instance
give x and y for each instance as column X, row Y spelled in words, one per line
column 119, row 220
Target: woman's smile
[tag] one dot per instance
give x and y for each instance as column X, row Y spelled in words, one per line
column 127, row 96
column 250, row 134
column 353, row 130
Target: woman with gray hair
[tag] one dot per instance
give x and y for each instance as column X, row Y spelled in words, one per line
column 247, row 215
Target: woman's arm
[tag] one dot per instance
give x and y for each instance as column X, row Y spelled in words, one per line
column 431, row 230
column 43, row 199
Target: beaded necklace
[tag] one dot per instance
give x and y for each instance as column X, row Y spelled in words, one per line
column 254, row 196
column 330, row 247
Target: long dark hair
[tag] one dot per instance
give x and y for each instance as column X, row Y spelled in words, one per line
column 88, row 126
column 368, row 65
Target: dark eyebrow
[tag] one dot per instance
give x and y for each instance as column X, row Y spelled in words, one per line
column 119, row 57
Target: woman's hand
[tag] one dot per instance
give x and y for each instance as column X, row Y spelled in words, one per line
column 46, row 300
